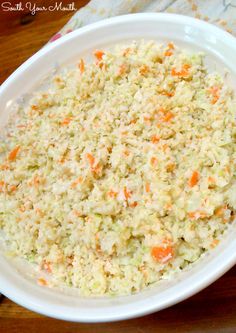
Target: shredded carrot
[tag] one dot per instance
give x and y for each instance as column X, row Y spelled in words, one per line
column 4, row 167
column 214, row 99
column 99, row 54
column 183, row 72
column 155, row 139
column 147, row 187
column 171, row 46
column 122, row 69
column 168, row 53
column 162, row 254
column 91, row 159
column 211, row 180
column 81, row 66
column 13, row 154
column 165, row 147
column 47, row 266
column 194, row 179
column 94, row 168
column 168, row 206
column 214, row 243
column 97, row 168
column 36, row 181
column 133, row 204
column 197, row 215
column 162, row 110
column 220, row 211
column 76, row 182
column 2, row 184
column 154, row 161
column 133, row 121
column 143, row 69
column 168, row 117
column 214, row 92
column 126, row 51
column 126, row 152
column 39, row 212
column 112, row 194
column 34, row 107
column 66, row 121
column 12, row 188
column 167, row 93
column 127, row 193
column 42, row 282
column 170, row 49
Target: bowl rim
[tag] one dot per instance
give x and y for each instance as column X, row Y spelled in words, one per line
column 228, row 257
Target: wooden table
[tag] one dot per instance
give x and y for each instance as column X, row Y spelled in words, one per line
column 212, row 310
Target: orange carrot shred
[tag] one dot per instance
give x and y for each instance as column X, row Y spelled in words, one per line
column 133, row 204
column 147, row 187
column 13, row 188
column 214, row 243
column 66, row 121
column 154, row 161
column 143, row 69
column 126, row 51
column 81, row 66
column 47, row 266
column 112, row 194
column 168, row 117
column 197, row 215
column 122, row 69
column 211, row 180
column 99, row 54
column 194, row 179
column 162, row 254
column 13, row 153
column 42, row 282
column 214, row 91
column 171, row 46
column 167, row 93
column 4, row 167
column 220, row 210
column 91, row 159
column 34, row 107
column 76, row 182
column 127, row 193
column 165, row 147
column 168, row 53
column 183, row 72
column 155, row 139
column 2, row 183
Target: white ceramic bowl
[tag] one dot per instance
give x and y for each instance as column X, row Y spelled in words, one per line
column 191, row 33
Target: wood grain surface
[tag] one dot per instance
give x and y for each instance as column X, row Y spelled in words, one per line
column 212, row 310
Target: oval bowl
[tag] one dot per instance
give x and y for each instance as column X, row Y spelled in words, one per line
column 220, row 49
